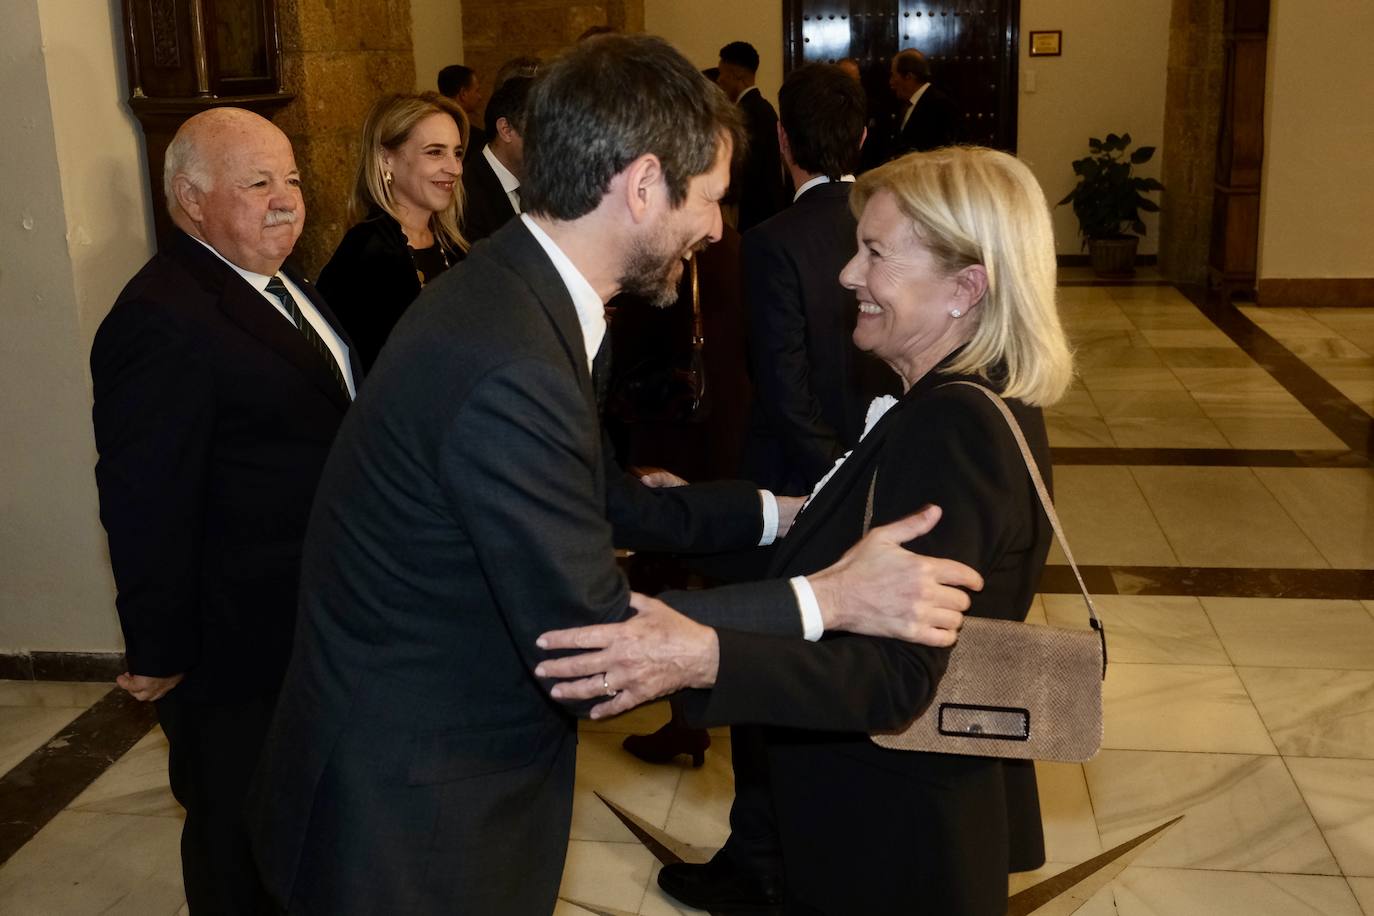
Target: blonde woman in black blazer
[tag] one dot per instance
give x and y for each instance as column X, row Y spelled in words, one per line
column 955, row 278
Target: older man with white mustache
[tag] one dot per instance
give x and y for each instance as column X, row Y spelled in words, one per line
column 220, row 379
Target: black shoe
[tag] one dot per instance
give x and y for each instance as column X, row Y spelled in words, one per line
column 664, row 745
column 720, row 886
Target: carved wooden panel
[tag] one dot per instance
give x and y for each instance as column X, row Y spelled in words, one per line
column 1240, row 148
column 971, row 46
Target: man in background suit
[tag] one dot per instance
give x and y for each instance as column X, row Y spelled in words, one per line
column 492, row 175
column 760, row 191
column 220, row 380
column 812, row 385
column 812, row 388
column 417, row 761
column 461, row 85
column 927, row 118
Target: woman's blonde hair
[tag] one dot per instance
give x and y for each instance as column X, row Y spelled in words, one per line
column 972, row 205
column 387, row 128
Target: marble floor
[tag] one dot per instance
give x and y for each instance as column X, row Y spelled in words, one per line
column 1215, row 480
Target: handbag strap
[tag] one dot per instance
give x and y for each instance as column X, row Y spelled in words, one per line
column 1046, row 503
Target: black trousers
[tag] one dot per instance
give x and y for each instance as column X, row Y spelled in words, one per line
column 214, row 750
column 753, row 845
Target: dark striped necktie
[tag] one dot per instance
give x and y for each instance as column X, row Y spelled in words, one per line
column 312, row 337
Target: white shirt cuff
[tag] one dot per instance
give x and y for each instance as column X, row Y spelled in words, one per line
column 812, row 624
column 770, row 518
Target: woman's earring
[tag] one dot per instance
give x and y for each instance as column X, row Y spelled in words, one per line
column 955, row 313
column 386, row 176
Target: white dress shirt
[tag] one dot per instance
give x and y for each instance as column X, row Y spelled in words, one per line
column 308, row 311
column 591, row 316
column 911, row 106
column 818, row 180
column 509, row 183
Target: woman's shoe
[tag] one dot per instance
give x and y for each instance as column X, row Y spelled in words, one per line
column 668, row 742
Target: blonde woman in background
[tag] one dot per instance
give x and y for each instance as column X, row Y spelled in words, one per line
column 407, row 200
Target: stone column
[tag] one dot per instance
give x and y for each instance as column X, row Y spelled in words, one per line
column 1192, row 114
column 494, row 31
column 338, row 58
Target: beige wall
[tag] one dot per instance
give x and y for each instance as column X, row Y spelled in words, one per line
column 1110, row 79
column 437, row 31
column 699, row 30
column 1318, row 185
column 75, row 227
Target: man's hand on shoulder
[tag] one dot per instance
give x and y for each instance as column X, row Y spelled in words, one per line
column 654, row 653
column 879, row 588
column 148, row 689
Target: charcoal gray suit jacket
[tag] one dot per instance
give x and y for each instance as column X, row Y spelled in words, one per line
column 416, row 764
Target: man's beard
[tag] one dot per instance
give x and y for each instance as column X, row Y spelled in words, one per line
column 651, row 269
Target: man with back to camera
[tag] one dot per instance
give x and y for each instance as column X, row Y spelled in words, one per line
column 417, row 762
column 220, row 380
column 760, row 192
column 461, row 85
column 492, row 175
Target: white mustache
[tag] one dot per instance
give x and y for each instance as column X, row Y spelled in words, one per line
column 278, row 217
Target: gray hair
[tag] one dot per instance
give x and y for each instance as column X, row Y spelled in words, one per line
column 183, row 157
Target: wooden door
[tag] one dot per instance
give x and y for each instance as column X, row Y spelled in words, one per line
column 971, row 46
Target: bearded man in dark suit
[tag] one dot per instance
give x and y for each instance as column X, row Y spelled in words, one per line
column 220, row 380
column 417, row 761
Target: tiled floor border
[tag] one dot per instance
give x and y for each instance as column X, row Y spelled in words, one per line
column 50, row 778
column 1323, row 400
column 1213, row 581
column 1210, row 457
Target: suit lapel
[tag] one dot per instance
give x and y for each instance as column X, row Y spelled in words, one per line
column 856, row 472
column 247, row 308
column 522, row 254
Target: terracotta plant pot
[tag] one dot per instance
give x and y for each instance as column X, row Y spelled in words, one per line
column 1113, row 257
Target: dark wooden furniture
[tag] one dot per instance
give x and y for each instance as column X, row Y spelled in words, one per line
column 971, row 46
column 1234, row 251
column 185, row 56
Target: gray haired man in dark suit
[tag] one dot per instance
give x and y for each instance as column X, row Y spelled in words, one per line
column 417, row 762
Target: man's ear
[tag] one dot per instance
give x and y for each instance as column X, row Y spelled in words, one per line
column 784, row 146
column 506, row 131
column 188, row 197
column 643, row 186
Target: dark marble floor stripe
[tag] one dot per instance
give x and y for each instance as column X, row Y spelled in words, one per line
column 1059, row 580
column 1214, row 581
column 46, row 781
column 1125, row 281
column 1322, row 399
column 1210, row 457
column 61, row 666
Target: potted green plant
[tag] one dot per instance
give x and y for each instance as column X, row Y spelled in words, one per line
column 1108, row 200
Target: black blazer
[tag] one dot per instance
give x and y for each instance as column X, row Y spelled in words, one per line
column 934, row 123
column 213, row 417
column 467, row 507
column 486, row 206
column 760, row 177
column 895, row 829
column 370, row 281
column 812, row 386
